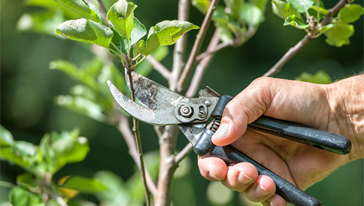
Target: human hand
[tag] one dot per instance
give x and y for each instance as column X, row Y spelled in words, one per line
column 318, row 106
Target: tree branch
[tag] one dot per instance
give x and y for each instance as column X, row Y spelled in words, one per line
column 292, row 51
column 218, row 48
column 124, row 128
column 202, row 65
column 197, row 46
column 159, row 67
column 180, row 47
column 183, row 154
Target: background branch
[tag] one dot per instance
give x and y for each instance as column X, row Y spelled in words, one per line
column 196, row 46
column 292, row 51
column 124, row 128
column 159, row 67
column 196, row 79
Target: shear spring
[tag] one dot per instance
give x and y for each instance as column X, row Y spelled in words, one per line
column 215, row 124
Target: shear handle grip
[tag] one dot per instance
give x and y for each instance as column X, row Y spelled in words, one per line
column 303, row 134
column 284, row 188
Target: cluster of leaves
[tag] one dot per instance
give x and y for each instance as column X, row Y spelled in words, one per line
column 321, row 77
column 122, row 33
column 238, row 21
column 338, row 31
column 36, row 186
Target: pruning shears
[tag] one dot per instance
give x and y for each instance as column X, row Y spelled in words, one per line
column 161, row 106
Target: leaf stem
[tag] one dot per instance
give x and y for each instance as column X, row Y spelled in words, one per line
column 136, row 64
column 119, row 52
column 6, row 184
column 196, row 46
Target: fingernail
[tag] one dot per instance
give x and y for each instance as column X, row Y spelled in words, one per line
column 271, row 204
column 213, row 177
column 261, row 191
column 221, row 132
column 244, row 179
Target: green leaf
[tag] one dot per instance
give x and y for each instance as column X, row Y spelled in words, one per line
column 85, row 185
column 322, row 11
column 166, row 33
column 251, row 14
column 301, row 5
column 138, row 32
column 27, row 180
column 225, row 33
column 22, row 197
column 53, row 6
column 138, row 47
column 41, row 21
column 284, row 10
column 338, row 33
column 350, row 13
column 121, row 16
column 81, row 105
column 6, row 138
column 23, row 154
column 85, row 9
column 63, row 148
column 321, row 77
column 117, row 193
column 86, row 30
column 220, row 15
column 120, row 42
column 201, row 5
column 76, row 73
column 235, row 7
column 296, row 22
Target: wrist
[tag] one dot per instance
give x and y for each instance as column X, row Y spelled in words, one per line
column 346, row 101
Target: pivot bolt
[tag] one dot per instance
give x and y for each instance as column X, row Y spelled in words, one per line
column 185, row 111
column 207, row 103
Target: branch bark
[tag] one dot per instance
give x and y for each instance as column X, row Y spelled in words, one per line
column 292, row 51
column 202, row 65
column 196, row 46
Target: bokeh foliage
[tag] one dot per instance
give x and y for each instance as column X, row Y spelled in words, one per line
column 30, row 89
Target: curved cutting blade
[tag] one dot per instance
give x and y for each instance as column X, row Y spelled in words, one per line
column 157, row 117
column 151, row 94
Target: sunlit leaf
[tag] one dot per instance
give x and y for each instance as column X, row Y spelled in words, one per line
column 296, row 22
column 138, row 47
column 69, row 193
column 53, row 6
column 301, row 5
column 220, row 15
column 117, row 193
column 166, row 33
column 201, row 5
column 235, row 7
column 321, row 77
column 40, row 21
column 284, row 10
column 5, row 137
column 350, row 13
column 338, row 33
column 251, row 14
column 27, row 180
column 63, row 148
column 86, row 30
column 22, row 197
column 85, row 185
column 138, row 32
column 85, row 9
column 121, row 16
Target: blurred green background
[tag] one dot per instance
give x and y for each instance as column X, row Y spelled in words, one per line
column 29, row 88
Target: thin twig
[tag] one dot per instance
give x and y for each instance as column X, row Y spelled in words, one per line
column 103, row 10
column 218, row 48
column 203, row 65
column 159, row 67
column 138, row 141
column 180, row 47
column 183, row 154
column 292, row 51
column 124, row 128
column 196, row 46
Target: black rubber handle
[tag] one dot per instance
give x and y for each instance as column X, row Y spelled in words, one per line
column 283, row 188
column 303, row 134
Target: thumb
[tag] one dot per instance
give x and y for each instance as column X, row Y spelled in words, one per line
column 245, row 108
